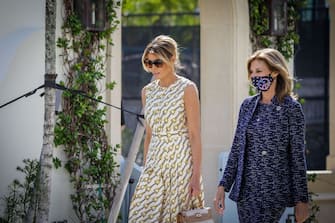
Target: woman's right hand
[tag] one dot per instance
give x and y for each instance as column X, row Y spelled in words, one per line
column 219, row 201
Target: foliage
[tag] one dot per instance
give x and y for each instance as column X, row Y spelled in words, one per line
column 313, row 206
column 21, row 194
column 80, row 126
column 297, row 86
column 259, row 25
column 158, row 6
column 159, row 12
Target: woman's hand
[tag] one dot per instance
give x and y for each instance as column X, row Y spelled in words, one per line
column 219, row 201
column 194, row 186
column 301, row 212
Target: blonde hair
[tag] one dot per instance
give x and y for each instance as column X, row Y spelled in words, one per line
column 165, row 48
column 276, row 63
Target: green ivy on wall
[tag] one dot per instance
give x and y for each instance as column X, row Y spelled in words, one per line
column 259, row 25
column 80, row 127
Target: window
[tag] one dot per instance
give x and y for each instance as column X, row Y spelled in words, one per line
column 311, row 64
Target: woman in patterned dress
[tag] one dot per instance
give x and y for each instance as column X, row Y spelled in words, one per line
column 171, row 180
column 267, row 162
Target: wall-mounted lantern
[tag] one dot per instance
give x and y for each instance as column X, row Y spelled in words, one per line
column 277, row 17
column 92, row 14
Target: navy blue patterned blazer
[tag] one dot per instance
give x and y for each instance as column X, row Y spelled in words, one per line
column 289, row 152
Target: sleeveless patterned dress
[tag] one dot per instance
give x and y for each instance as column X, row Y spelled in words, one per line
column 162, row 190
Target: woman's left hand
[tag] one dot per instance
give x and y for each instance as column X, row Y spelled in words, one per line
column 194, row 186
column 301, row 212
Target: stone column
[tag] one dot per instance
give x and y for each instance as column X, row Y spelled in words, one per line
column 331, row 156
column 225, row 47
column 113, row 73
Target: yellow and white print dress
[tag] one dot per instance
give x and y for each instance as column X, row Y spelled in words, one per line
column 162, row 190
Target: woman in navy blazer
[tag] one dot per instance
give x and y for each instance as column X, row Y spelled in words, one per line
column 266, row 168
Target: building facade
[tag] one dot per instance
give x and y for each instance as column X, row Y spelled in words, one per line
column 225, row 45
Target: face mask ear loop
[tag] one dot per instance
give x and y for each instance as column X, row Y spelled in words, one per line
column 273, row 78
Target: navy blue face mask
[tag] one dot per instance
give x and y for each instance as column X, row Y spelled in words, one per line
column 262, row 83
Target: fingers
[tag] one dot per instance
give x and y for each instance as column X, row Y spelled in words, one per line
column 301, row 212
column 219, row 201
column 301, row 217
column 219, row 205
column 194, row 191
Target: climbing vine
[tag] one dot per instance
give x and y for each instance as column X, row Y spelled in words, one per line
column 259, row 25
column 79, row 130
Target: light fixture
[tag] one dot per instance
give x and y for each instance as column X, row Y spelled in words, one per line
column 277, row 17
column 92, row 14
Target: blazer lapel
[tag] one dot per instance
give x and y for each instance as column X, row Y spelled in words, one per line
column 251, row 108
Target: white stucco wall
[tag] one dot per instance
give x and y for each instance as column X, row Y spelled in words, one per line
column 331, row 156
column 224, row 84
column 224, row 48
column 60, row 202
column 21, row 70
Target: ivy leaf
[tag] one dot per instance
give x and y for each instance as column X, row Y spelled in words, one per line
column 62, row 43
column 57, row 162
column 110, row 85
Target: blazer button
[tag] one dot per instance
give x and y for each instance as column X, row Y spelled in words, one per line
column 264, row 153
